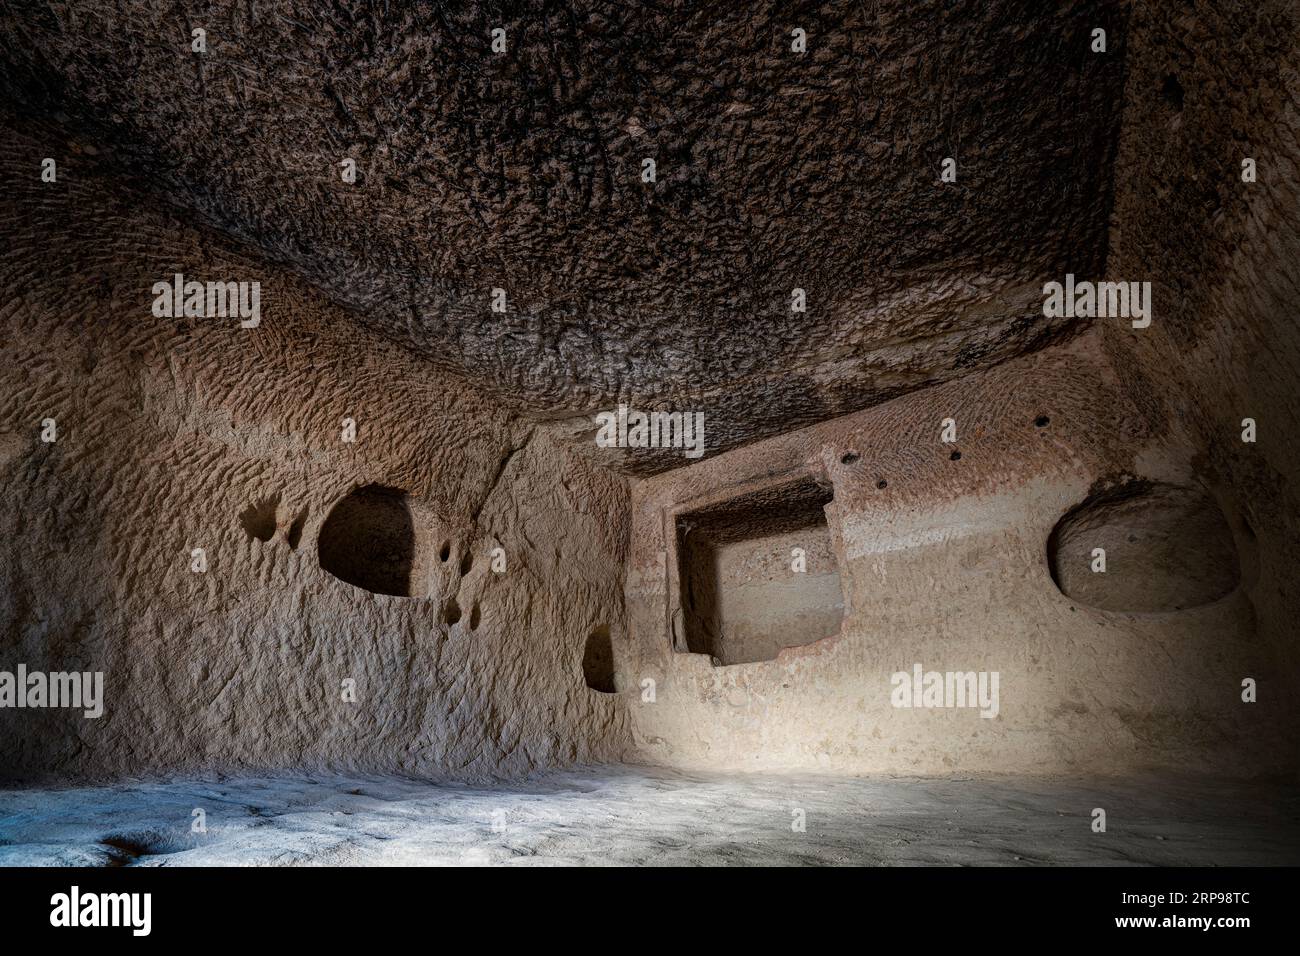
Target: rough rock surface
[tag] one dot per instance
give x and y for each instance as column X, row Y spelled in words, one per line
column 186, row 433
column 1144, row 546
column 1209, row 86
column 943, row 562
column 522, row 171
column 774, row 171
column 622, row 817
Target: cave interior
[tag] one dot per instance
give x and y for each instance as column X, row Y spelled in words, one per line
column 655, row 407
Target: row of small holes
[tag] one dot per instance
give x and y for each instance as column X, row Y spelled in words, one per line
column 852, row 457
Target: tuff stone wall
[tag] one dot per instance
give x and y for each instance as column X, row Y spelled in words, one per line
column 475, row 429
column 176, row 434
column 944, row 562
column 1210, row 85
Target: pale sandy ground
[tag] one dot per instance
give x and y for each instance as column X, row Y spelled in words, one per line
column 639, row 816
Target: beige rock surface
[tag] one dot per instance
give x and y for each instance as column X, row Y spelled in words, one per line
column 1222, row 256
column 944, row 563
column 503, row 597
column 187, row 433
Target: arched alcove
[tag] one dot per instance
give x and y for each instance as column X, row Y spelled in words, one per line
column 1166, row 548
column 598, row 661
column 368, row 541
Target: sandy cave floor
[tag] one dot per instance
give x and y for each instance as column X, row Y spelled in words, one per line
column 644, row 816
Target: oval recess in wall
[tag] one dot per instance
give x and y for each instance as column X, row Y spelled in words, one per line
column 368, row 540
column 1144, row 546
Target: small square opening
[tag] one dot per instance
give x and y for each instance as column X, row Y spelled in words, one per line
column 758, row 573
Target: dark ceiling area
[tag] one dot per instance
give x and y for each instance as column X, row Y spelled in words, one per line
column 774, row 171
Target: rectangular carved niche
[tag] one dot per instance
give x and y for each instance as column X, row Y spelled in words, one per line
column 758, row 572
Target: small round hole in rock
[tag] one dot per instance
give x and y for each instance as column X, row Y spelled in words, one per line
column 1042, row 421
column 849, row 457
column 955, row 456
column 882, row 483
column 452, row 612
column 474, row 617
column 445, row 552
column 259, row 519
column 466, row 562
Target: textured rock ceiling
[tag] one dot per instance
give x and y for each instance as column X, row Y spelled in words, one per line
column 522, row 171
